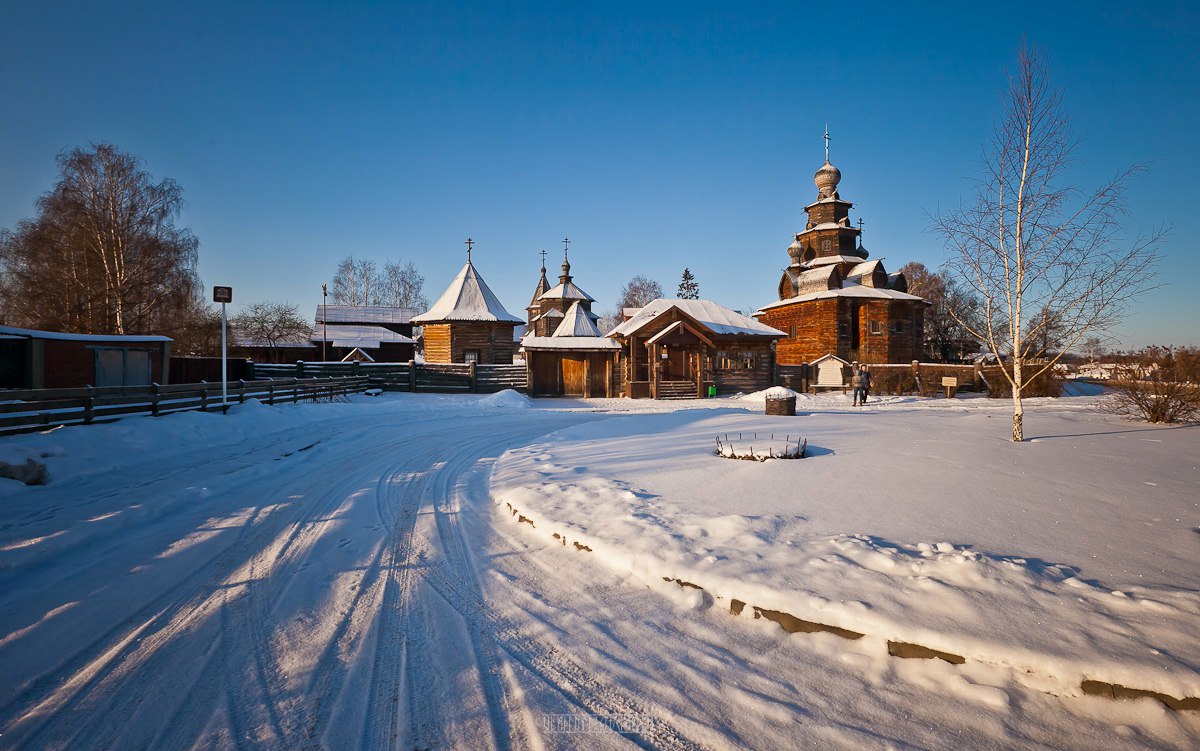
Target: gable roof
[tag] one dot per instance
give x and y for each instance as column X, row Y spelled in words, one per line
column 468, row 298
column 716, row 318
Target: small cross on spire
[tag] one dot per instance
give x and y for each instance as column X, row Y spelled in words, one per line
column 470, row 244
column 543, row 260
column 566, row 242
column 827, row 142
column 860, row 226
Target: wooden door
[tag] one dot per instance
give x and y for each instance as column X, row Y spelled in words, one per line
column 598, row 375
column 678, row 364
column 573, row 375
column 544, row 370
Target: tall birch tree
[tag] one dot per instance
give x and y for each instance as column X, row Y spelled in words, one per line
column 1040, row 253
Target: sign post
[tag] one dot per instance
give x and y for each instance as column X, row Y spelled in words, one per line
column 951, row 384
column 224, row 295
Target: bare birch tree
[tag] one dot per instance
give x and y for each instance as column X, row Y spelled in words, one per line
column 1037, row 251
column 103, row 256
column 356, row 282
column 403, row 286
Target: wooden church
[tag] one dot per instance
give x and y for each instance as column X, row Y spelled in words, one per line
column 468, row 324
column 565, row 353
column 549, row 305
column 832, row 300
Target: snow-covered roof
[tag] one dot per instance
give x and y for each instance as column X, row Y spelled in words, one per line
column 552, row 313
column 576, row 323
column 866, row 267
column 361, row 336
column 808, row 280
column 717, row 318
column 566, row 291
column 850, row 289
column 364, row 314
column 829, row 199
column 358, row 355
column 59, row 336
column 824, row 260
column 825, row 226
column 570, row 342
column 468, row 298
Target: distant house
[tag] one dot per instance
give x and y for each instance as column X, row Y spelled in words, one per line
column 680, row 348
column 575, row 360
column 468, row 324
column 365, row 333
column 48, row 359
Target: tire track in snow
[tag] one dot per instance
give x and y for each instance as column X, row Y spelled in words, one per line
column 578, row 686
column 220, row 619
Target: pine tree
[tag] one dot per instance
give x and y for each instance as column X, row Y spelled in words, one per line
column 689, row 289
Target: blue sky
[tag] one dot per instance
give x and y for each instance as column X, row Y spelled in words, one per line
column 654, row 137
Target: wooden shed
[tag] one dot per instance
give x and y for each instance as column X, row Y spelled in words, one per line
column 681, row 348
column 48, row 359
column 468, row 323
column 573, row 361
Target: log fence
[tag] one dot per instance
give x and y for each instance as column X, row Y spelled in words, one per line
column 412, row 376
column 37, row 409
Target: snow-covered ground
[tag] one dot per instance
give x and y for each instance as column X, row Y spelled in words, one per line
column 350, row 576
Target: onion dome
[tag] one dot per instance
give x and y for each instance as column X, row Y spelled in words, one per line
column 796, row 251
column 827, row 179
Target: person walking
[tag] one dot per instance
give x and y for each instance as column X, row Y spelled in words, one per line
column 856, row 383
column 866, row 382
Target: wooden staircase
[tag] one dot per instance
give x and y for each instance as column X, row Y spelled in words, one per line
column 676, row 390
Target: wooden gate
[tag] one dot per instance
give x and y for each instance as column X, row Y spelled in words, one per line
column 573, row 371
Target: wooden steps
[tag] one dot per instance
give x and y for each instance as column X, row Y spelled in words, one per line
column 676, row 390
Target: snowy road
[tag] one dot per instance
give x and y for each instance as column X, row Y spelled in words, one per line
column 318, row 588
column 345, row 581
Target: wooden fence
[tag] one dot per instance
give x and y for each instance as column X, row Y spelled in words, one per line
column 896, row 378
column 412, row 376
column 37, row 409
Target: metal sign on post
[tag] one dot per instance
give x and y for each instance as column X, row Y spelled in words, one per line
column 224, row 295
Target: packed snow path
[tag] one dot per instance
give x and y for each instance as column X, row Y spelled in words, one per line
column 345, row 581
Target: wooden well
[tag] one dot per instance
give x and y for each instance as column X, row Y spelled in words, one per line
column 782, row 406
